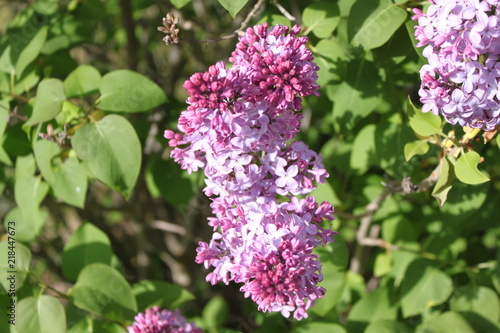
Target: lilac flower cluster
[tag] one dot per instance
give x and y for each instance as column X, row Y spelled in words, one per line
column 236, row 129
column 155, row 320
column 462, row 78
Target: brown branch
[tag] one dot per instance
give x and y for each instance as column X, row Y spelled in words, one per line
column 168, row 227
column 284, row 11
column 129, row 26
column 368, row 237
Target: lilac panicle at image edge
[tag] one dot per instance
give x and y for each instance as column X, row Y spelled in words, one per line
column 236, row 129
column 156, row 320
column 461, row 80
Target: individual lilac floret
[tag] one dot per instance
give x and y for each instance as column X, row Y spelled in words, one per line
column 462, row 78
column 155, row 320
column 238, row 128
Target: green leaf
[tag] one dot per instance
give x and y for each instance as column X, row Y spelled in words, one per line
column 29, row 191
column 112, row 151
column 20, row 264
column 467, row 171
column 162, row 176
column 334, row 259
column 356, row 97
column 274, row 19
column 376, row 306
column 363, row 149
column 401, row 259
column 4, row 118
column 215, row 312
column 233, row 6
column 387, row 326
column 420, row 147
column 101, row 290
column 127, row 91
column 423, row 287
column 481, row 300
column 463, row 203
column 29, row 52
column 395, row 51
column 398, row 228
column 410, row 28
column 325, row 192
column 424, row 124
column 331, row 61
column 372, row 23
column 83, row 81
column 445, row 180
column 86, row 246
column 43, row 314
column 179, row 3
column 316, row 327
column 163, row 294
column 383, row 264
column 446, row 322
column 49, row 101
column 390, row 138
column 29, row 224
column 71, row 182
column 67, row 179
column 322, row 18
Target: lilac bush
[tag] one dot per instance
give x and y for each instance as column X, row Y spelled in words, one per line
column 236, row 129
column 155, row 320
column 462, row 78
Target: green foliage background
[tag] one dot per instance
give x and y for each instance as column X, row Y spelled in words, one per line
column 106, row 225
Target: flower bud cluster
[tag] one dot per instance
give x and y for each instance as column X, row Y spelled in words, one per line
column 462, row 78
column 236, row 129
column 155, row 320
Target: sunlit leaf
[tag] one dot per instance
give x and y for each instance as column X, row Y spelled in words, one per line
column 467, row 171
column 179, row 3
column 42, row 314
column 322, row 18
column 387, row 326
column 316, row 327
column 423, row 286
column 49, row 101
column 101, row 290
column 378, row 305
column 87, row 245
column 127, row 91
column 445, row 180
column 372, row 23
column 420, row 147
column 233, row 6
column 112, row 151
column 446, row 322
column 83, row 81
column 424, row 124
column 481, row 300
column 19, row 263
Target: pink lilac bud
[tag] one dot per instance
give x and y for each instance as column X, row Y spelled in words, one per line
column 462, row 78
column 237, row 129
column 155, row 320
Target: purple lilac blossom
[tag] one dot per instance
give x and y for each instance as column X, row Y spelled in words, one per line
column 462, row 78
column 155, row 320
column 236, row 129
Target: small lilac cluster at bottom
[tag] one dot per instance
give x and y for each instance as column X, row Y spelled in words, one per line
column 155, row 320
column 237, row 128
column 462, row 78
